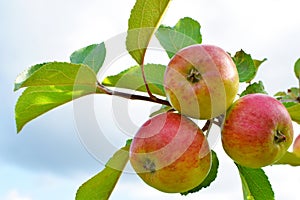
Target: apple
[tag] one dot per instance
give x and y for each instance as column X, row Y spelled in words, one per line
column 257, row 131
column 201, row 81
column 296, row 146
column 170, row 153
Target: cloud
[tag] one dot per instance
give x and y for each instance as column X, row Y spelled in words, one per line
column 46, row 145
column 15, row 195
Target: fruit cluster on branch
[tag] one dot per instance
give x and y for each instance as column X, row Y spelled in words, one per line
column 201, row 82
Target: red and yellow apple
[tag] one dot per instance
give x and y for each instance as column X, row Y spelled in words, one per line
column 296, row 146
column 257, row 131
column 201, row 81
column 170, row 153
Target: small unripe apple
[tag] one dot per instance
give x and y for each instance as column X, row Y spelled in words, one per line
column 257, row 131
column 296, row 146
column 201, row 81
column 170, row 153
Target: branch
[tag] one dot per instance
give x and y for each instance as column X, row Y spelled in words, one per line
column 220, row 120
column 206, row 125
column 102, row 88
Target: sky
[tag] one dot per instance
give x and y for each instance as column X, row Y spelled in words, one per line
column 51, row 157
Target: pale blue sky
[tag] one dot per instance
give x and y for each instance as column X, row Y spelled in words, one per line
column 47, row 159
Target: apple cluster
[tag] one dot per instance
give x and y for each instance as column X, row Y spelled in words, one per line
column 171, row 153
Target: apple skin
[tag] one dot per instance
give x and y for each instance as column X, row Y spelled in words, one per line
column 201, row 81
column 170, row 153
column 257, row 131
column 296, row 146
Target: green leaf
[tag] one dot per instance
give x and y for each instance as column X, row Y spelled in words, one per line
column 26, row 74
column 132, row 79
column 162, row 109
column 101, row 185
column 297, row 69
column 35, row 101
column 50, row 85
column 289, row 98
column 289, row 104
column 289, row 159
column 254, row 88
column 294, row 92
column 185, row 33
column 246, row 191
column 212, row 175
column 92, row 55
column 257, row 63
column 245, row 65
column 280, row 94
column 56, row 74
column 143, row 22
column 294, row 112
column 255, row 184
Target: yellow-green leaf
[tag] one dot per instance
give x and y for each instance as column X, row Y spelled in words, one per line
column 56, row 74
column 35, row 101
column 294, row 112
column 162, row 109
column 101, row 185
column 51, row 85
column 143, row 22
column 289, row 159
column 132, row 79
column 257, row 63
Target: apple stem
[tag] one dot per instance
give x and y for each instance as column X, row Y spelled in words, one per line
column 146, row 83
column 279, row 137
column 151, row 96
column 194, row 75
column 218, row 121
